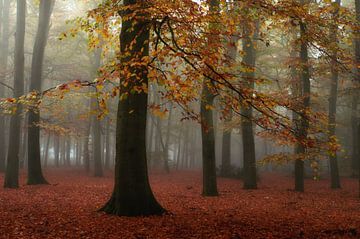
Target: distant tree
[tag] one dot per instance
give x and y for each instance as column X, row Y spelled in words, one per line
column 231, row 55
column 357, row 81
column 35, row 175
column 132, row 195
column 96, row 123
column 12, row 167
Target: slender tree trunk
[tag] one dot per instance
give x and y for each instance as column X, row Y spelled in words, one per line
column 167, row 142
column 132, row 194
column 35, row 175
column 178, row 159
column 355, row 137
column 304, row 124
column 67, row 151
column 249, row 158
column 86, row 153
column 334, row 169
column 4, row 53
column 57, row 150
column 12, row 167
column 97, row 149
column 231, row 54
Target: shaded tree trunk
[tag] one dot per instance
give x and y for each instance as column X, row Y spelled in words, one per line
column 4, row 53
column 132, row 194
column 334, row 169
column 35, row 175
column 304, row 123
column 249, row 158
column 12, row 167
column 207, row 127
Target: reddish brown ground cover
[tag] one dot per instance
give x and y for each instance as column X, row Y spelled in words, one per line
column 68, row 209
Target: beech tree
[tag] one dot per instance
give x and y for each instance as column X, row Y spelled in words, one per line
column 35, row 175
column 132, row 195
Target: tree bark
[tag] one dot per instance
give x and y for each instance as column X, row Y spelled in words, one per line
column 12, row 167
column 132, row 195
column 334, row 169
column 35, row 175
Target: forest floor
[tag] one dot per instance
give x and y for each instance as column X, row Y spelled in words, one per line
column 68, row 209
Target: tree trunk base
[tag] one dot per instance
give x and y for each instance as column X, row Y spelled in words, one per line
column 39, row 180
column 133, row 209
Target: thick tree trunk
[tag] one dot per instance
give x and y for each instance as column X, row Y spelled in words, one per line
column 12, row 168
column 249, row 156
column 334, row 169
column 132, row 194
column 35, row 175
column 4, row 53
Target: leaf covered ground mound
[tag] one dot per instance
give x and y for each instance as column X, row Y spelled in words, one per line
column 68, row 209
